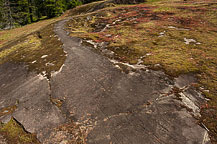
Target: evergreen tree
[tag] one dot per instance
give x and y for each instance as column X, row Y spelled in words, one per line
column 73, row 3
column 21, row 12
column 54, row 7
column 40, row 8
column 6, row 21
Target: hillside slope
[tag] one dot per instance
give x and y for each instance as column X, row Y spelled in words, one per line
column 107, row 73
column 175, row 36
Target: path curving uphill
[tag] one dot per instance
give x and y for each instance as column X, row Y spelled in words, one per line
column 109, row 106
column 123, row 108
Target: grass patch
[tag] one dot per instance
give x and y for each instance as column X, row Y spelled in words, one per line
column 14, row 34
column 37, row 46
column 15, row 133
column 9, row 36
column 179, row 36
column 41, row 51
column 165, row 9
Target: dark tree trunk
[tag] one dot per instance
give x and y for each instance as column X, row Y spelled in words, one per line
column 30, row 11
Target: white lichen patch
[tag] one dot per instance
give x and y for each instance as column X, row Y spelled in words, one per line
column 140, row 60
column 188, row 41
column 148, row 54
column 44, row 56
column 181, row 29
column 113, row 116
column 41, row 77
column 135, row 66
column 107, row 26
column 117, row 66
column 161, row 34
column 56, row 72
column 34, row 61
column 206, row 138
column 43, row 73
column 49, row 64
column 118, row 20
column 190, row 104
column 92, row 43
column 108, row 52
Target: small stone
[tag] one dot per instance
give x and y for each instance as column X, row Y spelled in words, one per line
column 157, row 65
column 34, row 61
column 206, row 91
column 149, row 111
column 89, row 18
column 148, row 54
column 108, row 35
column 171, row 27
column 49, row 64
column 188, row 41
column 44, row 56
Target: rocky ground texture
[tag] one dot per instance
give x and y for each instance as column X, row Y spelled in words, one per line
column 80, row 94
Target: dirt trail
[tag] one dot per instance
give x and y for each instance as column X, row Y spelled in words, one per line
column 109, row 105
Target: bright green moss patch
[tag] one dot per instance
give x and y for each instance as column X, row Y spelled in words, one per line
column 14, row 133
column 41, row 51
column 8, row 36
column 175, row 36
column 165, row 9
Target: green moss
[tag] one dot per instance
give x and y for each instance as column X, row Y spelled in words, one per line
column 41, row 51
column 211, row 16
column 159, row 35
column 52, row 47
column 157, row 2
column 7, row 52
column 146, row 25
column 165, row 9
column 4, row 36
column 132, row 41
column 14, row 133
